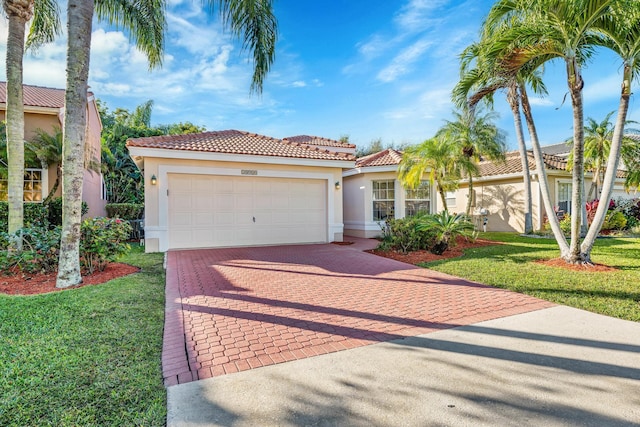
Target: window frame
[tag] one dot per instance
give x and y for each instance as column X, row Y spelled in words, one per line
column 569, row 184
column 414, row 195
column 388, row 201
column 31, row 194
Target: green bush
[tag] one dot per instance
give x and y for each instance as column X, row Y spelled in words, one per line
column 55, row 211
column 35, row 214
column 128, row 211
column 41, row 249
column 565, row 224
column 615, row 220
column 403, row 235
column 446, row 228
column 102, row 240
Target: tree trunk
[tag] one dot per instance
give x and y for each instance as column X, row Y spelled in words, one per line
column 443, row 197
column 469, row 196
column 514, row 103
column 19, row 13
column 542, row 175
column 79, row 15
column 612, row 165
column 575, row 87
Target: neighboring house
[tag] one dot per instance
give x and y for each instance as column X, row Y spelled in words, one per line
column 44, row 110
column 373, row 193
column 235, row 188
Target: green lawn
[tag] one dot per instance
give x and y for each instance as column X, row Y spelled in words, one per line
column 88, row 356
column 510, row 266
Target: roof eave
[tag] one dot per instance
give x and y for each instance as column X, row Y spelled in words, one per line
column 139, row 153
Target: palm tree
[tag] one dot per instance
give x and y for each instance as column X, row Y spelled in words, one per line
column 43, row 29
column 446, row 228
column 435, row 157
column 251, row 20
column 548, row 29
column 620, row 30
column 597, row 147
column 477, row 138
column 47, row 149
column 481, row 77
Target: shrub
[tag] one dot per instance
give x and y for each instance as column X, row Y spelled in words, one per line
column 102, row 240
column 55, row 211
column 565, row 224
column 615, row 220
column 128, row 211
column 445, row 228
column 630, row 208
column 41, row 248
column 403, row 235
column 35, row 214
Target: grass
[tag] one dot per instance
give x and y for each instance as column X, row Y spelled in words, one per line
column 88, row 356
column 510, row 266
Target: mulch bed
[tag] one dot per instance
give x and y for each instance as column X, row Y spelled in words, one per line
column 417, row 257
column 21, row 283
column 560, row 263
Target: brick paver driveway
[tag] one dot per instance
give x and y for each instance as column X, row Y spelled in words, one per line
column 235, row 309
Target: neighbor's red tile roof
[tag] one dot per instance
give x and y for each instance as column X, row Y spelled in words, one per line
column 37, row 96
column 316, row 140
column 513, row 164
column 386, row 157
column 237, row 142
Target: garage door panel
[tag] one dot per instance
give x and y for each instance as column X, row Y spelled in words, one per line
column 210, row 211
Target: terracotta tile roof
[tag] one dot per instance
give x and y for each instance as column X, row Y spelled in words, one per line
column 37, row 96
column 513, row 164
column 237, row 142
column 386, row 157
column 316, row 140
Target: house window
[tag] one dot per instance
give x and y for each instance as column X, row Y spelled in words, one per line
column 32, row 186
column 383, row 199
column 450, row 196
column 564, row 198
column 418, row 199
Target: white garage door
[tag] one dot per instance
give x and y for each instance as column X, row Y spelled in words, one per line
column 213, row 210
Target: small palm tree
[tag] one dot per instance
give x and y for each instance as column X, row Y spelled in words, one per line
column 435, row 158
column 446, row 227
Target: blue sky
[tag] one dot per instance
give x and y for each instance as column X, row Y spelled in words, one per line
column 366, row 69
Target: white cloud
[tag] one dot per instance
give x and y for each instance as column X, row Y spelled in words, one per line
column 401, row 64
column 298, row 83
column 417, row 14
column 603, row 88
column 540, row 102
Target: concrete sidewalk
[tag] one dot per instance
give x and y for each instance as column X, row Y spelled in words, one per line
column 553, row 367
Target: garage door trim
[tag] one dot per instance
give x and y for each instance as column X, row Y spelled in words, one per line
column 161, row 232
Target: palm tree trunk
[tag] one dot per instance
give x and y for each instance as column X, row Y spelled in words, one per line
column 469, row 196
column 15, row 117
column 514, row 103
column 79, row 15
column 542, row 174
column 612, row 165
column 575, row 87
column 443, row 197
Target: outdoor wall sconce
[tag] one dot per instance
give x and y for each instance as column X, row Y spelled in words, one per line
column 337, row 185
column 154, row 180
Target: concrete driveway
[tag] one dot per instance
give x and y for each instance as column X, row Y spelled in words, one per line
column 393, row 345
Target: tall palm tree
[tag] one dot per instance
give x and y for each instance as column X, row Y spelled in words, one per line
column 476, row 137
column 44, row 27
column 544, row 30
column 252, row 21
column 438, row 159
column 481, row 77
column 620, row 30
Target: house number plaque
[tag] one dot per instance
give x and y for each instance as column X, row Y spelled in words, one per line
column 248, row 172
